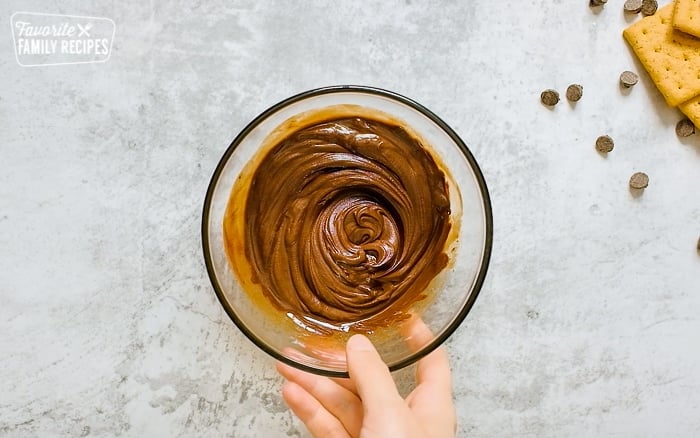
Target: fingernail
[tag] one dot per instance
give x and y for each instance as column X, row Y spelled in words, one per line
column 360, row 343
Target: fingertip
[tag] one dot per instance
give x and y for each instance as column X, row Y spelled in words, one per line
column 283, row 369
column 289, row 390
column 299, row 401
column 417, row 333
column 294, row 374
column 297, row 398
column 359, row 343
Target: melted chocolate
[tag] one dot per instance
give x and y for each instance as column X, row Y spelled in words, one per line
column 345, row 224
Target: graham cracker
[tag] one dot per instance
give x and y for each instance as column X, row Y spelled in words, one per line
column 686, row 17
column 671, row 58
column 691, row 109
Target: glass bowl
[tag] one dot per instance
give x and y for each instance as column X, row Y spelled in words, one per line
column 450, row 295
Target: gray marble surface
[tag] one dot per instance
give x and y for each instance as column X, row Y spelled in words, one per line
column 588, row 324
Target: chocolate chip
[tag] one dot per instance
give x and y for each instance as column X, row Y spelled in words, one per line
column 698, row 243
column 628, row 79
column 639, row 180
column 598, row 2
column 574, row 92
column 533, row 314
column 685, row 128
column 604, row 144
column 649, row 7
column 633, row 6
column 549, row 97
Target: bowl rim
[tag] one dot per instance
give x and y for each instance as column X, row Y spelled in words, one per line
column 362, row 89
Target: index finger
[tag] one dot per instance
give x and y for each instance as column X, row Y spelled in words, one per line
column 371, row 376
column 433, row 369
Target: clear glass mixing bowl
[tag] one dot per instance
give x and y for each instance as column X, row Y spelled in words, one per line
column 452, row 293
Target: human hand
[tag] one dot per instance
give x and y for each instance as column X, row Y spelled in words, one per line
column 368, row 404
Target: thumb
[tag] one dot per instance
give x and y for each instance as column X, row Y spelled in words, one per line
column 370, row 374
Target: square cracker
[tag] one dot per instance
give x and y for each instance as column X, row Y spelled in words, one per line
column 686, row 16
column 671, row 58
column 691, row 109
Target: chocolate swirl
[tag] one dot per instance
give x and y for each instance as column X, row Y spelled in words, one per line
column 346, row 223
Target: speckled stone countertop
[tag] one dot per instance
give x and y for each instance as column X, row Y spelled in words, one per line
column 588, row 324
